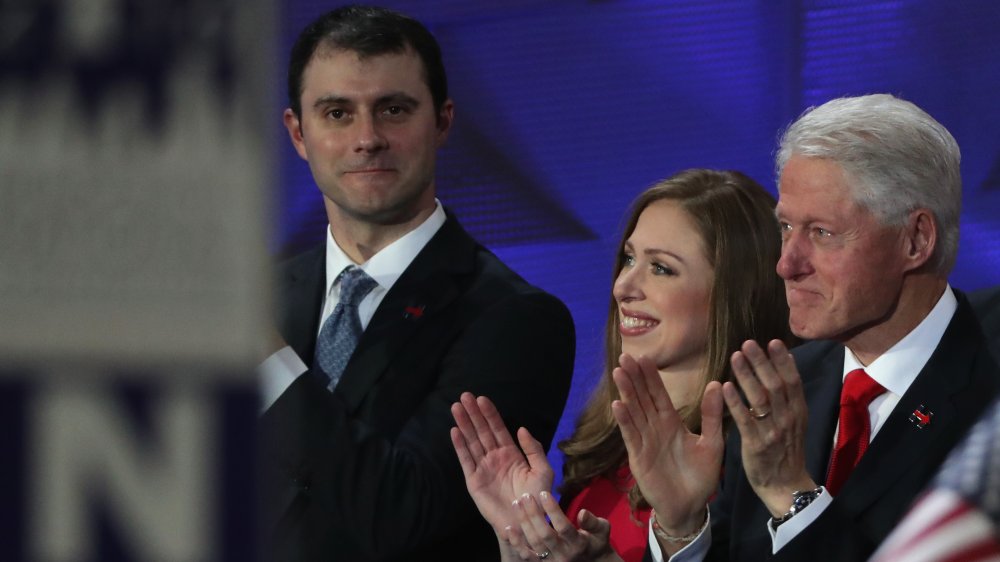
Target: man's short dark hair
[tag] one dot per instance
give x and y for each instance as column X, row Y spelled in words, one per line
column 368, row 31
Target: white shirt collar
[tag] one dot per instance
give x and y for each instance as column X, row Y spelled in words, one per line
column 390, row 262
column 897, row 368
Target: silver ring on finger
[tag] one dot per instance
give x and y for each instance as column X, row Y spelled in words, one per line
column 759, row 415
column 542, row 555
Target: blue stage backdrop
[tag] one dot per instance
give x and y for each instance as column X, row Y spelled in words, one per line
column 567, row 109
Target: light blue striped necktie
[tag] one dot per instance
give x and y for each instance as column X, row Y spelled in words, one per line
column 342, row 330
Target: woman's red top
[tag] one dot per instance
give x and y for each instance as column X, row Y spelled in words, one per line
column 608, row 498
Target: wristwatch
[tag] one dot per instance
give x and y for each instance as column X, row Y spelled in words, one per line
column 800, row 499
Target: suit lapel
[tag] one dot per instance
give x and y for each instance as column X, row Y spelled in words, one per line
column 302, row 293
column 427, row 287
column 900, row 444
column 823, row 399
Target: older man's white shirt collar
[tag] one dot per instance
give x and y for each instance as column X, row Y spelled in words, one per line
column 897, row 368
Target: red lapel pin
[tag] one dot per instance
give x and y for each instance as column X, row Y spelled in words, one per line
column 413, row 312
column 921, row 417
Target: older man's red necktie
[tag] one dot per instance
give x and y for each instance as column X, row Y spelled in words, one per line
column 855, row 427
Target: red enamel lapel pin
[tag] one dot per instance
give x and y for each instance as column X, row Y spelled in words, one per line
column 921, row 417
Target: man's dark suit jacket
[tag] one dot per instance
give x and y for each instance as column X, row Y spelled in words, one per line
column 368, row 472
column 986, row 303
column 957, row 384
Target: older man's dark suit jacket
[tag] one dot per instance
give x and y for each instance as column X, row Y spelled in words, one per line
column 368, row 472
column 957, row 384
column 986, row 303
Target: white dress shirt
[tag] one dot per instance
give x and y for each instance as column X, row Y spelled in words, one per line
column 281, row 369
column 895, row 370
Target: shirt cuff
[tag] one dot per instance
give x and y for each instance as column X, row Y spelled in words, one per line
column 791, row 528
column 277, row 373
column 695, row 550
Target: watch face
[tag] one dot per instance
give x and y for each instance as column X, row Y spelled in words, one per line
column 801, row 499
column 799, row 502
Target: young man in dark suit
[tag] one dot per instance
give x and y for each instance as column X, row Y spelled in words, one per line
column 357, row 462
column 823, row 465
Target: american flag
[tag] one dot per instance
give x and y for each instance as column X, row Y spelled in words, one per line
column 958, row 519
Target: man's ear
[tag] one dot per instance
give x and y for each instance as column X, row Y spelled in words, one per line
column 921, row 238
column 445, row 118
column 294, row 127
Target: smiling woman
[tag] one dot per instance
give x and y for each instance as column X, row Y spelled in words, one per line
column 695, row 278
column 663, row 291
